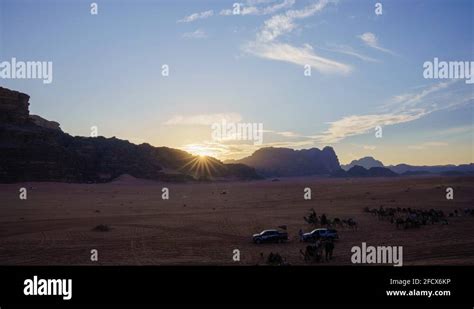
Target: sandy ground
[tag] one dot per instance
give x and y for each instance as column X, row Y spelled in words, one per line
column 199, row 225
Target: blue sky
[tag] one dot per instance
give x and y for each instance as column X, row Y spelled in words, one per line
column 367, row 70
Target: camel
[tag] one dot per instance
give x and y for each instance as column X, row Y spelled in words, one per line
column 313, row 253
column 337, row 222
column 312, row 218
column 351, row 223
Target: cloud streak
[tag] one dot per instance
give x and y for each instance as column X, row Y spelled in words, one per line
column 267, row 46
column 198, row 34
column 411, row 107
column 371, row 40
column 281, row 24
column 427, row 145
column 252, row 8
column 203, row 119
column 347, row 50
column 196, row 16
column 297, row 55
column 361, row 124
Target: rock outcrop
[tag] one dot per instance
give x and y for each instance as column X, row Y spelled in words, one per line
column 13, row 106
column 40, row 121
column 286, row 162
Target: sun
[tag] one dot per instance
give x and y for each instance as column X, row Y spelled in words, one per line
column 199, row 150
column 201, row 166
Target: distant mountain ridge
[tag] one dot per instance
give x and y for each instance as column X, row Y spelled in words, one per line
column 406, row 169
column 435, row 169
column 360, row 171
column 286, row 162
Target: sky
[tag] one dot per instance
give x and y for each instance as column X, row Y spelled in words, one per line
column 367, row 73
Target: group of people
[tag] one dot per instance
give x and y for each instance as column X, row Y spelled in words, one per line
column 273, row 259
column 319, row 251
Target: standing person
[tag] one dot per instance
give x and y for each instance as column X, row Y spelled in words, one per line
column 319, row 250
column 300, row 233
column 329, row 248
column 318, row 243
column 324, row 220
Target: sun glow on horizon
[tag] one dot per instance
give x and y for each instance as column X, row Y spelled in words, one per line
column 200, row 150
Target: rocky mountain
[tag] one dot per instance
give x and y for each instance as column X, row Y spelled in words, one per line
column 411, row 170
column 35, row 149
column 436, row 169
column 284, row 162
column 359, row 171
column 366, row 162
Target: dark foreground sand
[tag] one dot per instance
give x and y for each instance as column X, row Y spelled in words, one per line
column 201, row 226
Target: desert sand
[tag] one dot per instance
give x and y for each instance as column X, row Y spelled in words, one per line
column 202, row 225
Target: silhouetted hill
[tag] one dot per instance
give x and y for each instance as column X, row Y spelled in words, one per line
column 407, row 170
column 35, row 149
column 415, row 173
column 365, row 162
column 281, row 162
column 436, row 169
column 359, row 171
column 381, row 172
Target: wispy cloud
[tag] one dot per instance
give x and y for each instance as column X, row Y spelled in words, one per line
column 369, row 147
column 254, row 8
column 287, row 133
column 410, row 107
column 371, row 40
column 279, row 6
column 196, row 16
column 267, row 46
column 347, row 50
column 298, row 55
column 408, row 99
column 427, row 145
column 203, row 119
column 275, row 27
column 361, row 124
column 457, row 130
column 198, row 34
column 365, row 147
column 281, row 24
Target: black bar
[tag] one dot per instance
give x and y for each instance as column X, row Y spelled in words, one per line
column 238, row 285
